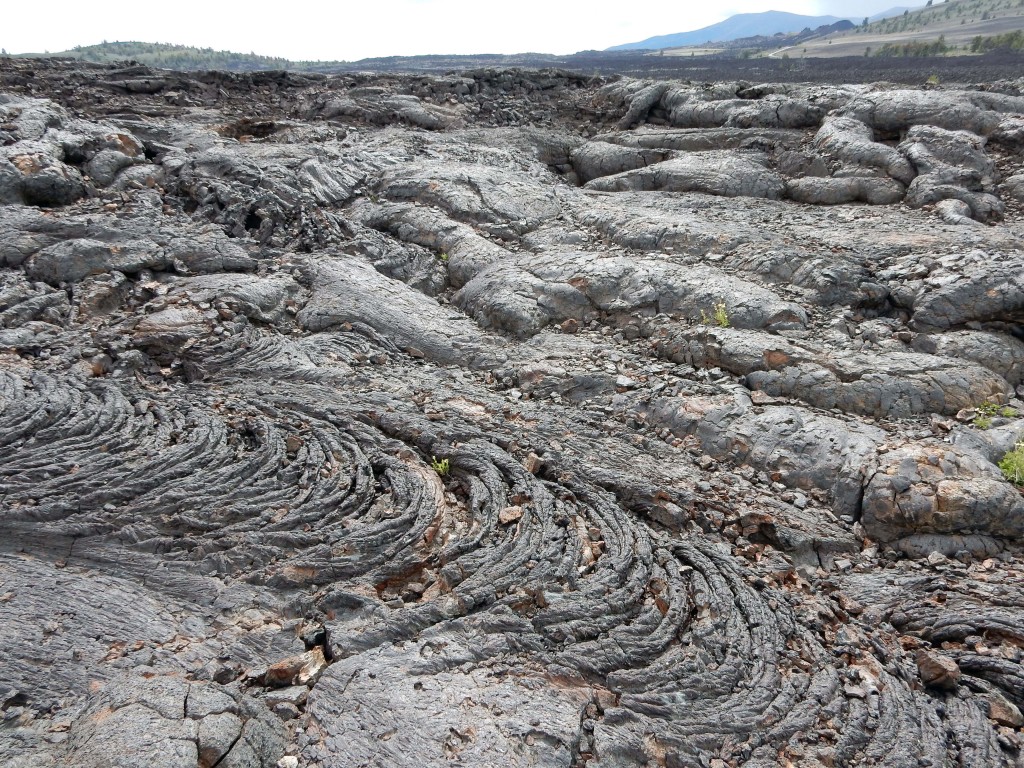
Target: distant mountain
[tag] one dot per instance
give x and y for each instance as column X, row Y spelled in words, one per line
column 741, row 25
column 780, row 40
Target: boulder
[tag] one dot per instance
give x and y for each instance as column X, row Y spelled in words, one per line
column 713, row 173
column 936, row 488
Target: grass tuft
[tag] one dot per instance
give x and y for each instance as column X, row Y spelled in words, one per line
column 1012, row 465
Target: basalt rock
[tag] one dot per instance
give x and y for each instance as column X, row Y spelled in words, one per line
column 715, row 173
column 523, row 297
column 34, row 177
column 851, row 144
column 963, row 288
column 848, row 189
column 899, row 384
column 998, row 352
column 936, row 489
column 979, row 112
column 941, row 157
column 507, row 417
column 596, row 159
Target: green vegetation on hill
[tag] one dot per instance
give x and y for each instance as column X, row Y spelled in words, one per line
column 915, row 48
column 180, row 57
column 942, row 14
column 939, row 28
column 1011, row 41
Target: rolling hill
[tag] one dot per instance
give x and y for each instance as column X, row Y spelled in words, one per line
column 955, row 27
column 167, row 56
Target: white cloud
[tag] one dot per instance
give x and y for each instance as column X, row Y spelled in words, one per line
column 350, row 30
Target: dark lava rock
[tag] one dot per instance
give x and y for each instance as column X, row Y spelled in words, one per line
column 507, row 417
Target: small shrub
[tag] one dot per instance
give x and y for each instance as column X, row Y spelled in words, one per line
column 988, row 411
column 1013, row 465
column 443, row 256
column 441, row 466
column 721, row 316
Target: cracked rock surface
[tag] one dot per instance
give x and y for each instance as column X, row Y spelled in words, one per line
column 508, row 418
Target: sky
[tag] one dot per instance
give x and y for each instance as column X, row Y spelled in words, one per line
column 348, row 30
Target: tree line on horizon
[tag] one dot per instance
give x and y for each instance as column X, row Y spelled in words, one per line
column 182, row 57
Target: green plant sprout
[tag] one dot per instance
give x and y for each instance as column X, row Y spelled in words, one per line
column 988, row 411
column 719, row 316
column 441, row 466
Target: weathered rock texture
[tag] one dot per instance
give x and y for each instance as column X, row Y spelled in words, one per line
column 507, row 418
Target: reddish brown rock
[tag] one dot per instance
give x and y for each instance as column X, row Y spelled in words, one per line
column 938, row 671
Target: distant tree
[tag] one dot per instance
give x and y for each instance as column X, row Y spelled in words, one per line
column 914, row 48
column 865, row 22
column 1010, row 41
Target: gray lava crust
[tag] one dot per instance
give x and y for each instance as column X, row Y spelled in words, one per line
column 508, row 418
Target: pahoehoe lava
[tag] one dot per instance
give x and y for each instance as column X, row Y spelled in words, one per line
column 508, row 418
